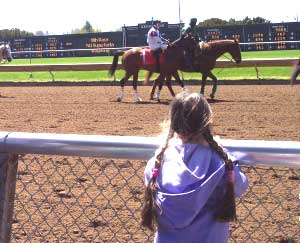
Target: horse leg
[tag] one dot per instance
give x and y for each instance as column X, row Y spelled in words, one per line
column 155, row 82
column 215, row 85
column 178, row 80
column 148, row 75
column 138, row 99
column 203, row 83
column 169, row 85
column 122, row 84
column 160, row 80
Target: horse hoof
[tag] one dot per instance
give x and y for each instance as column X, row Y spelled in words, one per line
column 212, row 96
column 119, row 99
column 138, row 100
column 158, row 100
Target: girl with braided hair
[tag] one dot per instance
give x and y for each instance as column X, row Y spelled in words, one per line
column 191, row 183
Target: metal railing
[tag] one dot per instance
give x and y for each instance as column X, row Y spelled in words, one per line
column 88, row 188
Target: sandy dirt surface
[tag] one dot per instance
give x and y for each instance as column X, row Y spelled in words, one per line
column 264, row 112
column 240, row 112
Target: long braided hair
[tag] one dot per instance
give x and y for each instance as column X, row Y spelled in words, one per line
column 149, row 214
column 190, row 119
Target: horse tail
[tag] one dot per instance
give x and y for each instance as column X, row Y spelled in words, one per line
column 147, row 77
column 115, row 62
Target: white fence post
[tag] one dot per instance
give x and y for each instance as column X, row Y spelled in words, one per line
column 8, row 174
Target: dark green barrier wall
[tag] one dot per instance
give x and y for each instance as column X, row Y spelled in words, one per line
column 131, row 36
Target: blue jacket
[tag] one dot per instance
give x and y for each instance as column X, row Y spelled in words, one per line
column 191, row 185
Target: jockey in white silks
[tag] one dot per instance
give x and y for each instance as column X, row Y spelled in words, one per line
column 156, row 42
column 154, row 38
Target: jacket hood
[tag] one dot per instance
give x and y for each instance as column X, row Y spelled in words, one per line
column 189, row 174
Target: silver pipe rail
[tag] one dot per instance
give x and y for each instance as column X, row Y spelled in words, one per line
column 249, row 152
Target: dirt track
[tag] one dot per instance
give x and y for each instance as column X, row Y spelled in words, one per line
column 240, row 112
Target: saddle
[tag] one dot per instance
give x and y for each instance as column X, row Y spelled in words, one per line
column 149, row 58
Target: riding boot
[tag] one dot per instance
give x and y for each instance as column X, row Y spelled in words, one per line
column 188, row 59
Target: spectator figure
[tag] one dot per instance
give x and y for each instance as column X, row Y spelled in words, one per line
column 156, row 42
column 191, row 182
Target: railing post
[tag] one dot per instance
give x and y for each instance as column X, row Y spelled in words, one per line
column 8, row 174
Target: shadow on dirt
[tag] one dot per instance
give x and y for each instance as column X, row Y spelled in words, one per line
column 6, row 97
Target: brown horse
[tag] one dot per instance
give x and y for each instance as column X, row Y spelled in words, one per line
column 5, row 53
column 204, row 61
column 132, row 62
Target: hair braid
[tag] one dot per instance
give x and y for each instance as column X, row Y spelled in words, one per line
column 149, row 215
column 228, row 209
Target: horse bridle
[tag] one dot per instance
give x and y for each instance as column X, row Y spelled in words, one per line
column 230, row 59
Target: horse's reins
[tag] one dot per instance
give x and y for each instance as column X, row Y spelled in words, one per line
column 228, row 58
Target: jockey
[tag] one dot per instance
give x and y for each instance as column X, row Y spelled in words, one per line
column 191, row 30
column 156, row 42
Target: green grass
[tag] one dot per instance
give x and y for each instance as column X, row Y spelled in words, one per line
column 222, row 74
column 271, row 54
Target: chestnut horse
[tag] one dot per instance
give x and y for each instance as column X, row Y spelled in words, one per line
column 204, row 61
column 132, row 62
column 5, row 53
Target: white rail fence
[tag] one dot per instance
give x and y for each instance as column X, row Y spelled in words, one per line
column 255, row 63
column 262, row 62
column 48, row 193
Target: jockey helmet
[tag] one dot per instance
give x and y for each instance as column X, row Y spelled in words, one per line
column 193, row 21
column 156, row 21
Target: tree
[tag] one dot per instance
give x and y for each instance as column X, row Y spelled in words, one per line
column 87, row 28
column 260, row 20
column 6, row 34
column 220, row 22
column 75, row 31
column 39, row 33
column 212, row 22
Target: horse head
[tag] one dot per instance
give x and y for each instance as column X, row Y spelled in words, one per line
column 235, row 51
column 6, row 52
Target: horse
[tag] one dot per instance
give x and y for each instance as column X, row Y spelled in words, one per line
column 204, row 61
column 133, row 61
column 5, row 53
column 295, row 72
